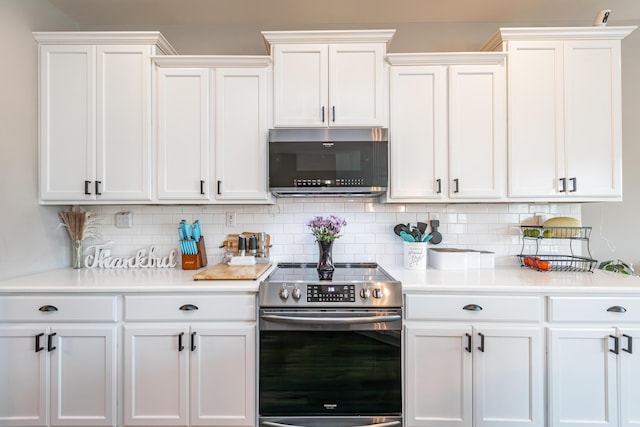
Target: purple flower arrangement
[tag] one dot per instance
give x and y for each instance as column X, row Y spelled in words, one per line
column 326, row 229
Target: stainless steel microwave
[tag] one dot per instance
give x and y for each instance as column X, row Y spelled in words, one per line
column 328, row 162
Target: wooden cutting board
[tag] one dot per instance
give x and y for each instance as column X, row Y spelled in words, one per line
column 228, row 272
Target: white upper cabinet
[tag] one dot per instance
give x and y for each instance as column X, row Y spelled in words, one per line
column 447, row 127
column 185, row 141
column 241, row 134
column 95, row 116
column 565, row 130
column 212, row 129
column 418, row 128
column 329, row 78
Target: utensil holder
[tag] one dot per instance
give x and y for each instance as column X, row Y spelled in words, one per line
column 197, row 261
column 415, row 255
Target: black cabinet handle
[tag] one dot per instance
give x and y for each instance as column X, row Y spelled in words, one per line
column 46, row 308
column 629, row 348
column 323, row 114
column 456, row 185
column 219, row 187
column 98, row 193
column 481, row 347
column 574, row 186
column 617, row 309
column 333, row 109
column 616, row 344
column 563, row 181
column 439, row 182
column 468, row 347
column 180, row 346
column 38, row 347
column 472, row 307
column 50, row 346
column 202, row 187
column 86, row 188
column 193, row 341
column 188, row 307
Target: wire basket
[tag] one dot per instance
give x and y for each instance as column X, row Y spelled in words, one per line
column 558, row 263
column 540, row 232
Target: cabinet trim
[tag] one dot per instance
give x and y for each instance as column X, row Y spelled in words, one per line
column 102, row 37
column 555, row 33
column 327, row 36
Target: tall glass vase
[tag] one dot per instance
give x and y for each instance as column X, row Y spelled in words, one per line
column 76, row 254
column 325, row 261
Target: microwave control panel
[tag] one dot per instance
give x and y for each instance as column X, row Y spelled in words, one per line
column 339, row 182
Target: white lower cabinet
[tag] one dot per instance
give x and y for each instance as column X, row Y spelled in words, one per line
column 594, row 370
column 466, row 365
column 195, row 370
column 57, row 374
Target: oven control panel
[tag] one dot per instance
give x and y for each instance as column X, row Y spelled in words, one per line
column 331, row 293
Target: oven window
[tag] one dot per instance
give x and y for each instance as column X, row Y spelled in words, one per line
column 330, row 373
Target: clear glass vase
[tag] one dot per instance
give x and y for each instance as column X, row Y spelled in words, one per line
column 77, row 251
column 325, row 261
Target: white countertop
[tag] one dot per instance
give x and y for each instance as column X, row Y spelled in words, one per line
column 504, row 279
column 514, row 279
column 126, row 280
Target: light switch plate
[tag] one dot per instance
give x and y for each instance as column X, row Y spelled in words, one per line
column 124, row 219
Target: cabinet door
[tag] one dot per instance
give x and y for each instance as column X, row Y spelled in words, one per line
column 418, row 140
column 582, row 377
column 438, row 376
column 123, row 123
column 536, row 124
column 155, row 375
column 67, row 122
column 356, row 85
column 629, row 377
column 223, row 375
column 83, row 376
column 184, row 133
column 241, row 134
column 593, row 126
column 24, row 373
column 300, row 85
column 477, row 131
column 508, row 377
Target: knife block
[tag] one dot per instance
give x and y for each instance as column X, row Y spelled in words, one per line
column 197, row 261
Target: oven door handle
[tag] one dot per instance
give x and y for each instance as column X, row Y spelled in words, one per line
column 331, row 320
column 389, row 424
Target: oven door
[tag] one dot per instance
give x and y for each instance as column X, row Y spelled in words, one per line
column 330, row 363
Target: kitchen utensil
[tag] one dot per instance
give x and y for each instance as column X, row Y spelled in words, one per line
column 436, row 237
column 400, row 227
column 426, row 237
column 422, row 227
column 407, row 237
column 416, row 234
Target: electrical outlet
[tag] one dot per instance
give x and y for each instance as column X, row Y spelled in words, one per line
column 124, row 220
column 231, row 219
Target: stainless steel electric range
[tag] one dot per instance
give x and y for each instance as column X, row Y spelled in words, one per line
column 330, row 351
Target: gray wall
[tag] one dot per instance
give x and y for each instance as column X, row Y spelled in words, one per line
column 29, row 240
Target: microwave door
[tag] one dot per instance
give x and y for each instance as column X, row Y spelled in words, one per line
column 321, row 163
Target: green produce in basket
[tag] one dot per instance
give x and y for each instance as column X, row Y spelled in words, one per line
column 531, row 232
column 547, row 233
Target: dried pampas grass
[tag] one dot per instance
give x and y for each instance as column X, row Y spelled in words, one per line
column 79, row 223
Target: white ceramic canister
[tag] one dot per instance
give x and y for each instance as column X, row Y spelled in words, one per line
column 415, row 255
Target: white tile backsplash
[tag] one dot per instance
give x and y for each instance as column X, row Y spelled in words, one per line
column 368, row 235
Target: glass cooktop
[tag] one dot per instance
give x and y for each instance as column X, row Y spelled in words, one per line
column 343, row 273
